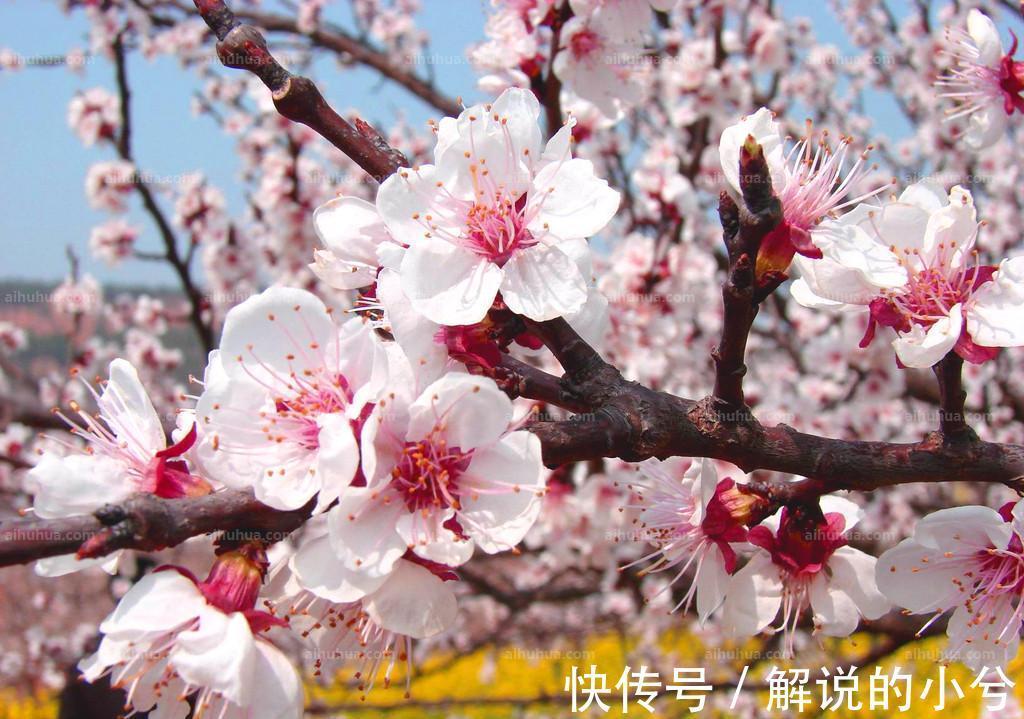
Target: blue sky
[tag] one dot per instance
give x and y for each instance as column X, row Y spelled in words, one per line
column 42, row 203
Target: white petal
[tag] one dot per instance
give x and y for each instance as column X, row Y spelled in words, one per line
column 985, row 648
column 277, row 689
column 801, row 291
column 955, row 225
column 543, row 283
column 850, row 511
column 926, row 195
column 406, row 198
column 902, row 572
column 160, row 601
column 921, row 349
column 853, row 249
column 290, row 484
column 509, row 477
column 753, row 597
column 218, row 654
column 337, row 458
column 351, row 230
column 571, row 200
column 126, row 406
column 996, row 315
column 413, row 332
column 472, row 409
column 77, row 484
column 361, row 357
column 318, row 568
column 427, row 536
column 69, row 563
column 448, row 284
column 519, row 111
column 956, row 528
column 712, row 582
column 762, row 126
column 986, row 38
column 272, row 334
column 985, row 127
column 853, row 572
column 835, row 614
column 413, row 602
column 362, row 531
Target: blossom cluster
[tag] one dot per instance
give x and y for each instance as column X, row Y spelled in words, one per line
column 377, row 404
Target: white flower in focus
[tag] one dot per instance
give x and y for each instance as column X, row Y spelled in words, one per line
column 812, row 183
column 675, row 516
column 804, row 563
column 968, row 560
column 492, row 216
column 169, row 640
column 285, row 398
column 126, row 453
column 444, row 474
column 986, row 82
column 912, row 264
column 352, row 233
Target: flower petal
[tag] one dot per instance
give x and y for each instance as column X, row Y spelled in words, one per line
column 571, row 201
column 448, row 284
column 996, row 315
column 502, row 490
column 922, row 349
column 543, row 283
column 413, row 602
column 472, row 409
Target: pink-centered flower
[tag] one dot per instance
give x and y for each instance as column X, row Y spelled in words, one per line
column 812, row 183
column 689, row 521
column 285, row 398
column 804, row 563
column 969, row 560
column 444, row 475
column 173, row 640
column 492, row 215
column 986, row 83
column 912, row 264
column 126, row 452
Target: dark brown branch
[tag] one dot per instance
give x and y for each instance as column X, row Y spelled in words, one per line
column 331, row 37
column 952, row 400
column 148, row 523
column 296, row 97
column 519, row 379
column 123, row 144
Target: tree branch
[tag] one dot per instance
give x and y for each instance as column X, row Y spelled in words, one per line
column 148, row 523
column 296, row 97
